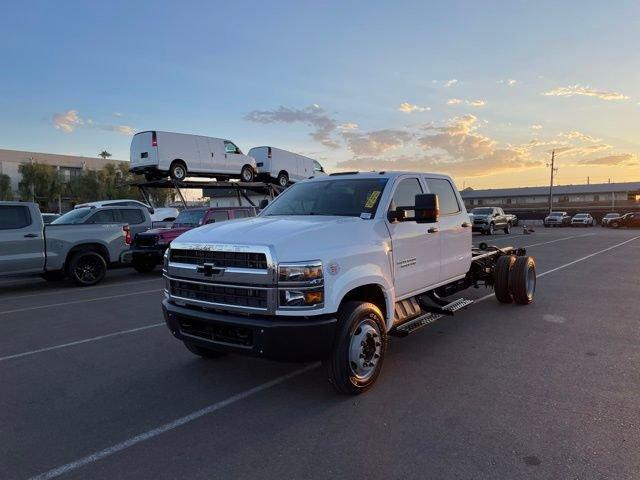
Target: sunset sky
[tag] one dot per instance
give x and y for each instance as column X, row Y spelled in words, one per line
column 480, row 90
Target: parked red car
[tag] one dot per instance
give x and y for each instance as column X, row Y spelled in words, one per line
column 149, row 247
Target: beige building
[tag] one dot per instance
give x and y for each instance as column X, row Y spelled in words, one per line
column 68, row 165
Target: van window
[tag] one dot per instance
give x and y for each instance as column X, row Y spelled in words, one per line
column 405, row 194
column 14, row 217
column 229, row 147
column 317, row 167
column 446, row 195
column 103, row 216
column 132, row 216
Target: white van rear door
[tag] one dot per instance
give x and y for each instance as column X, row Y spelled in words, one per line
column 142, row 153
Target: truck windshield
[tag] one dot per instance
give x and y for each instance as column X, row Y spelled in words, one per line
column 74, row 216
column 345, row 198
column 189, row 218
column 482, row 211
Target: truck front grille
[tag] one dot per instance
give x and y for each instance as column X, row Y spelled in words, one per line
column 237, row 296
column 220, row 258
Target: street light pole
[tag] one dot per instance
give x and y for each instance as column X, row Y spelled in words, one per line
column 553, row 156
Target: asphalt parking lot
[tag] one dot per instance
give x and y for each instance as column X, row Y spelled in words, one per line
column 94, row 386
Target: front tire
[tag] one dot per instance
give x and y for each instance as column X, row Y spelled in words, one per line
column 87, row 268
column 359, row 347
column 203, row 352
column 491, row 230
column 507, row 229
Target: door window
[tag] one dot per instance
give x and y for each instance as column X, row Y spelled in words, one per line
column 229, row 147
column 405, row 194
column 317, row 167
column 446, row 195
column 14, row 216
column 103, row 216
column 131, row 216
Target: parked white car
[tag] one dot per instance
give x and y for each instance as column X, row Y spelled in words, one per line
column 164, row 214
column 284, row 167
column 583, row 220
column 179, row 155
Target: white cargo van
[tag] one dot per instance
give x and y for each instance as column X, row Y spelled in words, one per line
column 179, row 155
column 284, row 167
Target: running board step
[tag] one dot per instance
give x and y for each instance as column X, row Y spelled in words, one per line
column 428, row 318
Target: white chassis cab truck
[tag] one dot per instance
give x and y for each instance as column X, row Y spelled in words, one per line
column 330, row 269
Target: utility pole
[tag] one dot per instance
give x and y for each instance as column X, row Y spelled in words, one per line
column 553, row 156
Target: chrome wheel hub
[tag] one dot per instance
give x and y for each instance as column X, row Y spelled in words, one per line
column 364, row 349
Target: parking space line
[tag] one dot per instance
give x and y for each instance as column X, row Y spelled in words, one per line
column 78, row 342
column 89, row 289
column 558, row 240
column 94, row 457
column 75, row 302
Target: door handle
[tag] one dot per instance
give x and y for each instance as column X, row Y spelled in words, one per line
column 465, row 225
column 31, row 235
column 433, row 230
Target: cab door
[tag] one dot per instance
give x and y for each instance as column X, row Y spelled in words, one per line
column 22, row 241
column 234, row 159
column 415, row 247
column 455, row 230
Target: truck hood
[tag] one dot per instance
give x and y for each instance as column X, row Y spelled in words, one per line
column 294, row 238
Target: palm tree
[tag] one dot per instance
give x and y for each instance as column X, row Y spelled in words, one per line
column 104, row 154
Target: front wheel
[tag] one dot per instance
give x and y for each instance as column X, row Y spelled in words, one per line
column 491, row 230
column 283, row 179
column 87, row 268
column 507, row 229
column 247, row 174
column 359, row 347
column 615, row 225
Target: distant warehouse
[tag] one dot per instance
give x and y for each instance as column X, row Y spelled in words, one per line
column 598, row 197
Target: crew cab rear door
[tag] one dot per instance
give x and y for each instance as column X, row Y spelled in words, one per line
column 21, row 240
column 416, row 250
column 455, row 229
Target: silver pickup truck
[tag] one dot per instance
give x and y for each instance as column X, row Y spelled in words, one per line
column 80, row 251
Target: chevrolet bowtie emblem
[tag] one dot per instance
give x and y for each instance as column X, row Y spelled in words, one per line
column 210, row 269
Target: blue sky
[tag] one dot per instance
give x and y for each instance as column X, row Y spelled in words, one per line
column 489, row 87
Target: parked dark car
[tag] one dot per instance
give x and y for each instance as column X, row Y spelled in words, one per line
column 606, row 220
column 489, row 219
column 557, row 219
column 626, row 221
column 149, row 247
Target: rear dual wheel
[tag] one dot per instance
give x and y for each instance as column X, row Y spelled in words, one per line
column 515, row 279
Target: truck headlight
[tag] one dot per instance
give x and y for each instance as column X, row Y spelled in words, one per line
column 165, row 260
column 300, row 272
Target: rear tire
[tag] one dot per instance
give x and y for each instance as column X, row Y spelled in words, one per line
column 522, row 280
column 358, row 350
column 283, row 179
column 178, row 171
column 143, row 265
column 247, row 174
column 87, row 268
column 502, row 274
column 203, row 352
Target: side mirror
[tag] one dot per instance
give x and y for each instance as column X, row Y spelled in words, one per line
column 263, row 203
column 151, row 210
column 427, row 208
